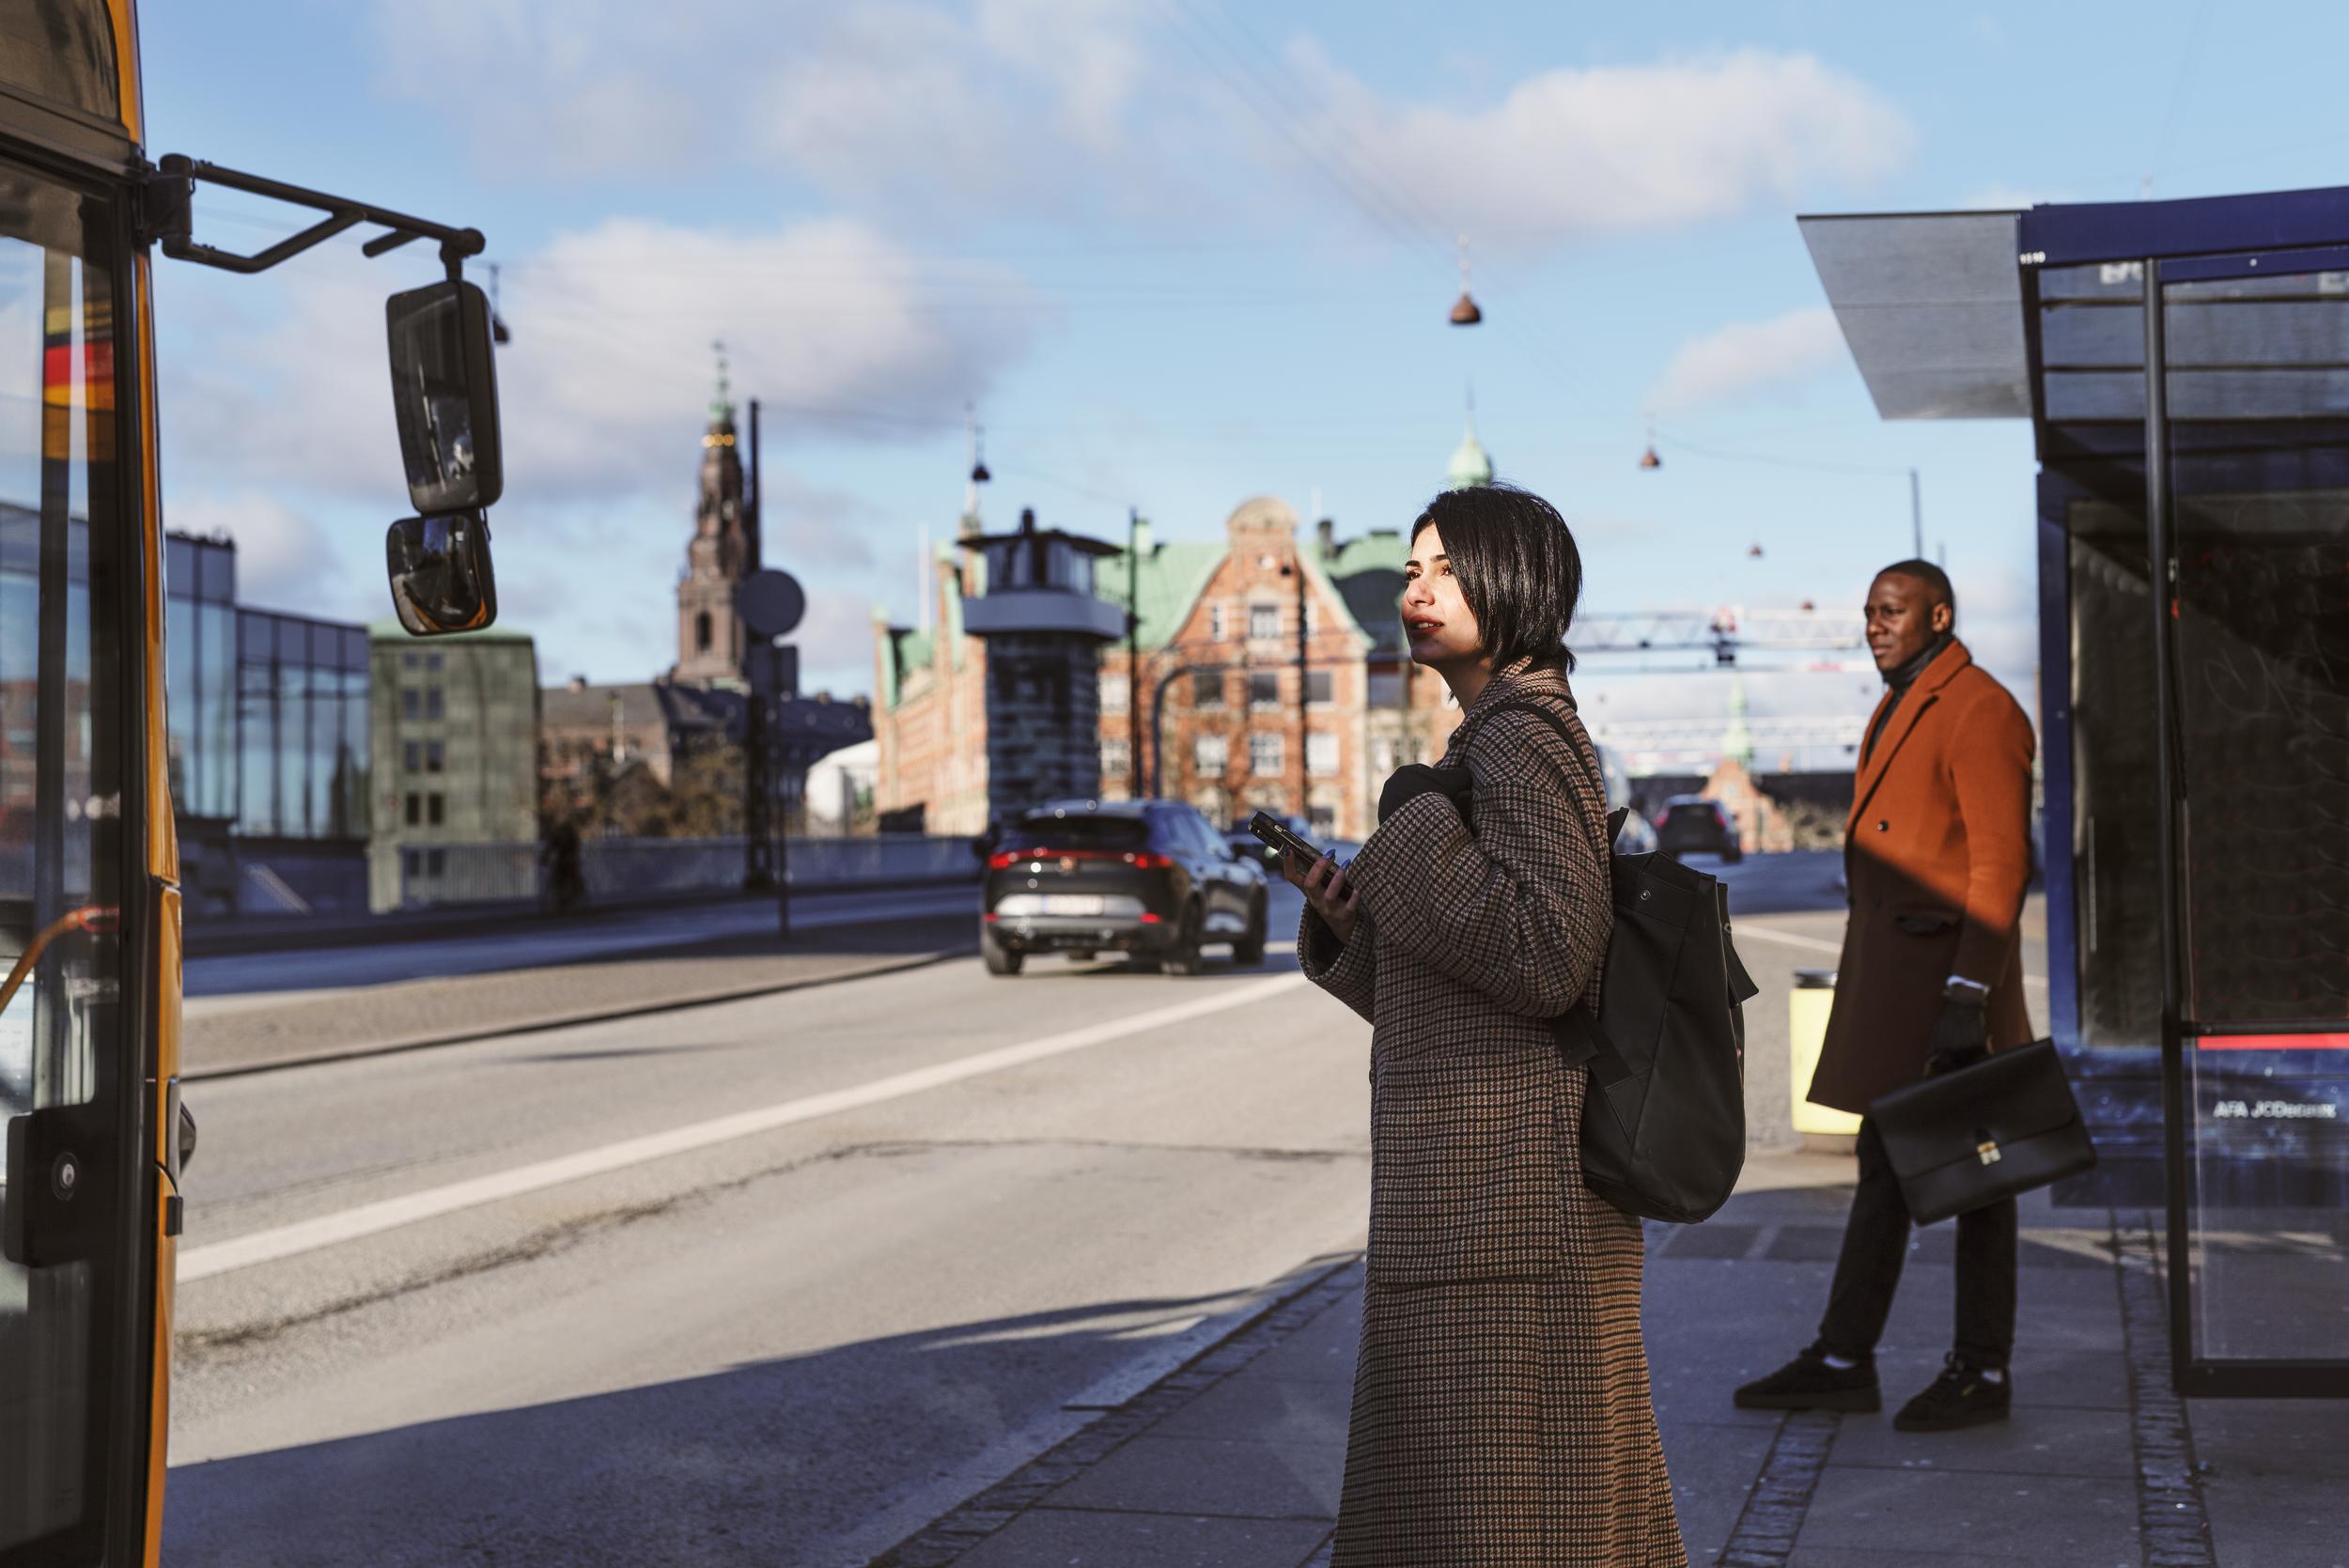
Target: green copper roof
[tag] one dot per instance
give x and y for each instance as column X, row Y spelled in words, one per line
column 1171, row 579
column 1470, row 464
column 1368, row 573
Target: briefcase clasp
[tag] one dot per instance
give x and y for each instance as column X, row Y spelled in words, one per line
column 1988, row 1150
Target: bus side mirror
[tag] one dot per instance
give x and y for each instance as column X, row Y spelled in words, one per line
column 445, row 392
column 440, row 576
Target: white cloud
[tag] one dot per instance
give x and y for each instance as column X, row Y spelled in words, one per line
column 603, row 387
column 1612, row 149
column 932, row 112
column 1744, row 355
column 285, row 558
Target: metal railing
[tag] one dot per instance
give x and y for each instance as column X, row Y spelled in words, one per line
column 622, row 870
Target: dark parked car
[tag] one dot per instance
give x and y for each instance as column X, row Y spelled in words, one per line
column 1148, row 877
column 1689, row 823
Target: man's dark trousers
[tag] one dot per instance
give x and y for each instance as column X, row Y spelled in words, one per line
column 1876, row 1244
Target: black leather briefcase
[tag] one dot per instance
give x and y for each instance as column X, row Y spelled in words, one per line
column 2006, row 1124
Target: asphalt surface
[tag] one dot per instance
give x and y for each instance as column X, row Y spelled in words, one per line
column 774, row 1280
column 536, row 941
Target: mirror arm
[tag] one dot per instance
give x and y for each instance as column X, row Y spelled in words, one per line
column 166, row 215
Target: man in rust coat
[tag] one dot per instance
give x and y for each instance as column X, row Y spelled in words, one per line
column 1937, row 853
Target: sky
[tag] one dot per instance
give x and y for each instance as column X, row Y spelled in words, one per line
column 1175, row 252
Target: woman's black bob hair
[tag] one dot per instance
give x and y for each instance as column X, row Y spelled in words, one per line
column 1519, row 569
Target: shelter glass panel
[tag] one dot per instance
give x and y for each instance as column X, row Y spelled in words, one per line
column 2257, row 378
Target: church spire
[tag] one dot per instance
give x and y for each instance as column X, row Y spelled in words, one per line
column 1471, row 465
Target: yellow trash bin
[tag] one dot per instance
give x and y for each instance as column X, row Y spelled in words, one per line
column 1807, row 1007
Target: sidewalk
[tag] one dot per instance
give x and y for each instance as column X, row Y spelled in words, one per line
column 1234, row 1461
column 223, row 1035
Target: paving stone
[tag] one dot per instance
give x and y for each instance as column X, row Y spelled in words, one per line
column 2281, row 1520
column 2031, row 1442
column 1066, row 1538
column 1712, row 1465
column 2069, row 1520
column 1259, row 1480
column 1279, row 1410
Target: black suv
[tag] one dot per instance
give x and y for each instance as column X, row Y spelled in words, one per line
column 1149, row 878
column 1690, row 823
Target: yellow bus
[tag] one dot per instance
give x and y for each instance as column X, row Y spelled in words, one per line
column 89, row 903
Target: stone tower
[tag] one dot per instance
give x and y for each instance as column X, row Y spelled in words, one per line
column 708, row 633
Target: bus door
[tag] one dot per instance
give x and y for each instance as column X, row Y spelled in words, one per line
column 75, row 1297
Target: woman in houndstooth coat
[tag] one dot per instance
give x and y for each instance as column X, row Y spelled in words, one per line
column 1502, row 1415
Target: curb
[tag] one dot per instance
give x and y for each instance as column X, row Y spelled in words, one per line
column 566, row 1020
column 1255, row 1327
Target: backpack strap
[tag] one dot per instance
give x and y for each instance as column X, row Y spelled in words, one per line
column 1615, row 817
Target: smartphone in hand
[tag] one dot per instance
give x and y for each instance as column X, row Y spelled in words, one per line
column 1275, row 833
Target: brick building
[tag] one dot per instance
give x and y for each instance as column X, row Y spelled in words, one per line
column 1219, row 720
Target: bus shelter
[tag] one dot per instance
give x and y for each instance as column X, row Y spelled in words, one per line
column 2192, row 521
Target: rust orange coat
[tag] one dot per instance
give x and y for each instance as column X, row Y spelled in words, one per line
column 1936, row 853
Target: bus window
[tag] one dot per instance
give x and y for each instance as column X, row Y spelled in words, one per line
column 61, row 530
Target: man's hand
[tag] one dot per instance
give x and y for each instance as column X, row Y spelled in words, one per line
column 1333, row 897
column 1961, row 1036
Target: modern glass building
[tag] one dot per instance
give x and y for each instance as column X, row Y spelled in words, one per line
column 268, row 745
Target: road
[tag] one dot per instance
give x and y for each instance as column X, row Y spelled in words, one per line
column 773, row 1280
column 536, row 941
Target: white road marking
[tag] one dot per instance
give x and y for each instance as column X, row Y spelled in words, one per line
column 1814, row 944
column 284, row 1241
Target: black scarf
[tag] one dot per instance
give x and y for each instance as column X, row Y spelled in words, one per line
column 1900, row 680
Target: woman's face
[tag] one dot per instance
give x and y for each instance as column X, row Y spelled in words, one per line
column 1435, row 619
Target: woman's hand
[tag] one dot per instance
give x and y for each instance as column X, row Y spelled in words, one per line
column 1327, row 889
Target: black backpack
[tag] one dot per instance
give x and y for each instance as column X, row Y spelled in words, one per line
column 1664, row 1120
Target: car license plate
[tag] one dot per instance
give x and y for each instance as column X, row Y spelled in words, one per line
column 1072, row 903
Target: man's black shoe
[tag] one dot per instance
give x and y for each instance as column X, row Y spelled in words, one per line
column 1962, row 1396
column 1807, row 1383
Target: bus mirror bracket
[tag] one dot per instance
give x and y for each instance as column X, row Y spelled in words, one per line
column 166, row 216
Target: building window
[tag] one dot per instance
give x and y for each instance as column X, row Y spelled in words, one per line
column 415, row 809
column 1325, row 821
column 1263, row 620
column 1115, row 756
column 1386, row 688
column 432, row 708
column 1382, row 756
column 1210, row 755
column 1265, row 751
column 431, row 660
column 1114, row 694
column 408, row 661
column 433, row 810
column 435, row 861
column 435, row 755
column 1321, row 686
column 1206, row 688
column 412, row 757
column 411, row 702
column 1321, row 753
column 1215, row 622
column 1264, row 688
column 411, row 860
column 701, row 633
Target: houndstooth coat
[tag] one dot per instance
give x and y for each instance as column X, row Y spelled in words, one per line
column 1502, row 1415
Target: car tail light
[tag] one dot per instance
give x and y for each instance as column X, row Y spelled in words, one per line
column 1663, row 815
column 1723, row 818
column 1149, row 919
column 990, row 916
column 1148, row 861
column 1005, row 860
